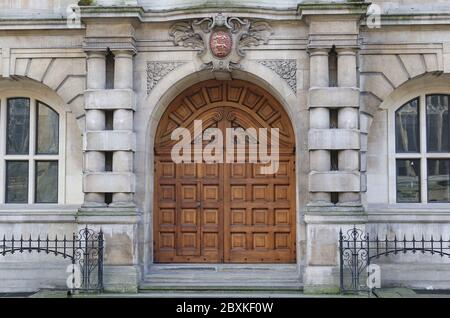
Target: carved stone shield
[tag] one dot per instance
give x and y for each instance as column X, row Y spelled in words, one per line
column 220, row 43
column 220, row 40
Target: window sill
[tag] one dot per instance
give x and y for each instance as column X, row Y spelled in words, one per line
column 37, row 213
column 409, row 213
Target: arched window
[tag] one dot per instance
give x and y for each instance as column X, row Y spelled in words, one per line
column 422, row 150
column 29, row 151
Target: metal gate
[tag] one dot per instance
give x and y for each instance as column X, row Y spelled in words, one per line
column 84, row 250
column 357, row 250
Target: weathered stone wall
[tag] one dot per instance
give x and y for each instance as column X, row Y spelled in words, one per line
column 32, row 8
column 399, row 62
column 378, row 69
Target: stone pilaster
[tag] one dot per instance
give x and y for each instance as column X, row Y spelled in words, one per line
column 332, row 26
column 94, row 161
column 348, row 118
column 120, row 141
column 118, row 216
column 123, row 121
column 319, row 119
column 344, row 140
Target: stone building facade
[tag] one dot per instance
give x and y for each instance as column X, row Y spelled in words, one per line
column 85, row 110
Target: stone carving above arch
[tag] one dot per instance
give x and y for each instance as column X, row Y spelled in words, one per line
column 63, row 72
column 220, row 40
column 286, row 69
column 156, row 70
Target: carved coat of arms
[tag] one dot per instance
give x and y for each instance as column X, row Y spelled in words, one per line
column 220, row 39
column 220, row 43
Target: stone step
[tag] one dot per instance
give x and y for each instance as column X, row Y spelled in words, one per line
column 232, row 293
column 218, row 283
column 222, row 277
column 147, row 287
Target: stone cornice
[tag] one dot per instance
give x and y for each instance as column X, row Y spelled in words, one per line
column 413, row 19
column 344, row 8
column 36, row 24
column 183, row 14
column 304, row 10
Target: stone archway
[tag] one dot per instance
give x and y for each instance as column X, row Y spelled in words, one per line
column 225, row 212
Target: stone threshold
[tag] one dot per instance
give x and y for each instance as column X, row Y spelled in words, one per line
column 192, row 277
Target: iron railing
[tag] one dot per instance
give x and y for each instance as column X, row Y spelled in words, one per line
column 357, row 250
column 84, row 250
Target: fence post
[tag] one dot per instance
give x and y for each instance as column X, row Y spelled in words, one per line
column 86, row 260
column 73, row 263
column 100, row 261
column 368, row 259
column 355, row 261
column 341, row 262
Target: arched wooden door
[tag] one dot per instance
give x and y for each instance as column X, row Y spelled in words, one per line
column 224, row 212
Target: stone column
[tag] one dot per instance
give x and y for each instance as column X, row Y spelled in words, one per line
column 123, row 120
column 319, row 118
column 94, row 161
column 331, row 26
column 348, row 118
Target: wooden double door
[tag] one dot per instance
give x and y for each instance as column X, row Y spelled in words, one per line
column 224, row 212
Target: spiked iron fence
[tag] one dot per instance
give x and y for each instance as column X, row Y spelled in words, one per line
column 84, row 250
column 357, row 250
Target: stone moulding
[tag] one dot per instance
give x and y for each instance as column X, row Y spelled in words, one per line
column 157, row 70
column 286, row 69
column 113, row 43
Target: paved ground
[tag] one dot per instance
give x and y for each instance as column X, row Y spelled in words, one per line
column 15, row 295
column 380, row 293
column 224, row 295
column 183, row 294
column 409, row 293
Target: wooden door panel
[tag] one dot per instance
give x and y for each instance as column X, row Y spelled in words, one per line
column 260, row 225
column 189, row 213
column 238, row 171
column 257, row 211
column 224, row 212
column 212, row 211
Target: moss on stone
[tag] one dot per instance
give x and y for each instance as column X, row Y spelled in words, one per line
column 321, row 289
column 85, row 2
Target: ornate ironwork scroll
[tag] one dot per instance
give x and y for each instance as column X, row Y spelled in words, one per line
column 84, row 249
column 357, row 251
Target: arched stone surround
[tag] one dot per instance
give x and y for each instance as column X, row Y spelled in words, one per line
column 149, row 115
column 381, row 74
column 64, row 74
column 379, row 132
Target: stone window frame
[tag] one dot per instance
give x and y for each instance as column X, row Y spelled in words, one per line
column 422, row 155
column 32, row 157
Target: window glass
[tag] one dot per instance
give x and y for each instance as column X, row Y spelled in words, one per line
column 47, row 130
column 407, row 127
column 408, row 180
column 438, row 180
column 31, row 128
column 16, row 181
column 437, row 123
column 46, row 182
column 18, row 126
